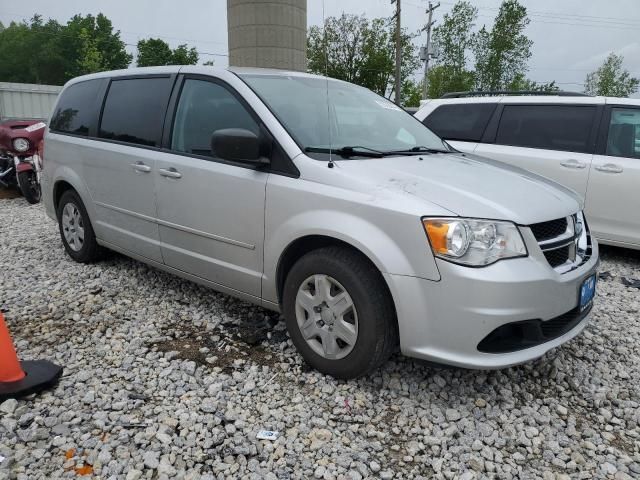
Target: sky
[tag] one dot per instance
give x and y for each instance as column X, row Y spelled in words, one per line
column 570, row 37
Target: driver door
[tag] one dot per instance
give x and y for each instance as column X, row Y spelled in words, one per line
column 210, row 211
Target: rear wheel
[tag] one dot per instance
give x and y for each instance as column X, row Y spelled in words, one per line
column 339, row 312
column 29, row 186
column 75, row 227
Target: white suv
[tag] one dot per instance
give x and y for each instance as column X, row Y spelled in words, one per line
column 589, row 144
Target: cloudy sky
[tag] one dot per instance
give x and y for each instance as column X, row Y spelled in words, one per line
column 571, row 37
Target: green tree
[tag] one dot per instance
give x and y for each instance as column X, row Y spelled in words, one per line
column 442, row 80
column 81, row 36
column 90, row 59
column 411, row 93
column 453, row 39
column 184, row 56
column 35, row 51
column 155, row 51
column 520, row 82
column 29, row 52
column 360, row 51
column 611, row 79
column 502, row 53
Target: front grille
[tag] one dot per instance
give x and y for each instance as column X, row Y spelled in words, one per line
column 564, row 242
column 515, row 336
column 548, row 230
column 558, row 256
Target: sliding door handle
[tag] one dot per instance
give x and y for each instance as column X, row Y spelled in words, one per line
column 141, row 167
column 572, row 163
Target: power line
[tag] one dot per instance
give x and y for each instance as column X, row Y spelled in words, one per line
column 540, row 17
column 536, row 21
column 567, row 16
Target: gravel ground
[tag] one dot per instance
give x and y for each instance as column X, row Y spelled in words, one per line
column 165, row 379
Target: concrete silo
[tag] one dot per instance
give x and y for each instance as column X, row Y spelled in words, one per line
column 268, row 33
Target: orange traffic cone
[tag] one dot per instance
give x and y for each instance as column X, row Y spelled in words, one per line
column 10, row 369
column 22, row 378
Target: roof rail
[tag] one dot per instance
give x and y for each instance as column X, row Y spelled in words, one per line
column 493, row 93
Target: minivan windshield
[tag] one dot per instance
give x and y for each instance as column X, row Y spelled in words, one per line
column 325, row 115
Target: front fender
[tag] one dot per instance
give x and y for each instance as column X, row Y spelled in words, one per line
column 387, row 253
column 23, row 167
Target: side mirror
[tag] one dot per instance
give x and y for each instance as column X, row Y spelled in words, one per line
column 238, row 145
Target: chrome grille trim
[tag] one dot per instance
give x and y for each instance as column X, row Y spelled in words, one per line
column 576, row 237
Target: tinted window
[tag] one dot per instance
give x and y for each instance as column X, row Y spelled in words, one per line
column 460, row 122
column 76, row 108
column 624, row 133
column 134, row 110
column 554, row 127
column 205, row 107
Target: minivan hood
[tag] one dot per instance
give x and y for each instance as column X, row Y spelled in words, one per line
column 469, row 186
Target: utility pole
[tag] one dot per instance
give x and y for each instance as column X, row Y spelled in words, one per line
column 398, row 52
column 427, row 52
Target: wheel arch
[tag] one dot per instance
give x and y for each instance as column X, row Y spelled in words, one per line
column 66, row 179
column 308, row 243
column 59, row 188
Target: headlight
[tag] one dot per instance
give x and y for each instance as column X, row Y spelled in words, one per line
column 20, row 144
column 473, row 242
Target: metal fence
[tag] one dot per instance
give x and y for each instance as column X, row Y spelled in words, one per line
column 26, row 101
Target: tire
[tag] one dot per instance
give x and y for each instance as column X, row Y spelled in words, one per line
column 82, row 248
column 29, row 187
column 339, row 270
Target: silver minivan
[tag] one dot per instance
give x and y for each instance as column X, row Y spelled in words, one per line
column 324, row 201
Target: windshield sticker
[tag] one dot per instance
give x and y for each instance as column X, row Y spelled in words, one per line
column 388, row 105
column 35, row 126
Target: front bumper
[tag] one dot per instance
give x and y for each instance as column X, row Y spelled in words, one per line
column 445, row 321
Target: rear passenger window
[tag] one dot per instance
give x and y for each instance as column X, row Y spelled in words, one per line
column 623, row 139
column 205, row 107
column 76, row 108
column 465, row 122
column 552, row 127
column 134, row 110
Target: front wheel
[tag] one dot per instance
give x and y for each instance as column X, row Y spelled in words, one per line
column 29, row 186
column 339, row 313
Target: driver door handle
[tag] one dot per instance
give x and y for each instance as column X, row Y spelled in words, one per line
column 572, row 163
column 141, row 167
column 170, row 172
column 609, row 168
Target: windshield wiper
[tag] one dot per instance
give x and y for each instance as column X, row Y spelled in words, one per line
column 348, row 151
column 417, row 150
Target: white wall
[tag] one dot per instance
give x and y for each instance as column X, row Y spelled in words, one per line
column 27, row 101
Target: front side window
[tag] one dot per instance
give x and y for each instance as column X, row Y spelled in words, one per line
column 623, row 139
column 76, row 109
column 205, row 107
column 134, row 110
column 552, row 127
column 328, row 114
column 464, row 122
